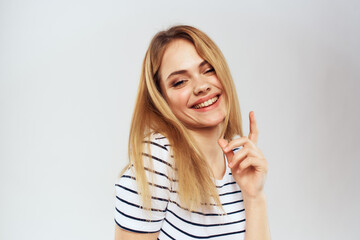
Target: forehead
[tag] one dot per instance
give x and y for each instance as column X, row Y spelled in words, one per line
column 180, row 54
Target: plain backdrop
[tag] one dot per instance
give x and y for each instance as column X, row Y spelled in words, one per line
column 69, row 72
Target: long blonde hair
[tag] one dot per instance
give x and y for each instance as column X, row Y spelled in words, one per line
column 152, row 113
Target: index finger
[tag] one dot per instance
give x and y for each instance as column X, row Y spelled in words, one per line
column 253, row 135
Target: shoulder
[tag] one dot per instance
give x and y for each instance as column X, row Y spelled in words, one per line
column 158, row 140
column 157, row 149
column 157, row 160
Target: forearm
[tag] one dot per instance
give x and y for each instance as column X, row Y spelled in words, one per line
column 257, row 226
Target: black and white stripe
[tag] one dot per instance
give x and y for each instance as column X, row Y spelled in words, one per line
column 166, row 215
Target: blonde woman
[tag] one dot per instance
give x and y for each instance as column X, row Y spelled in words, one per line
column 192, row 174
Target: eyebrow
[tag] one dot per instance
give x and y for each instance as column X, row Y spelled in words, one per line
column 184, row 71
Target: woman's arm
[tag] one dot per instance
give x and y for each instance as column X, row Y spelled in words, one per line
column 257, row 226
column 249, row 169
column 121, row 234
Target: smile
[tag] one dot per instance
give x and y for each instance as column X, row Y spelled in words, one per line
column 207, row 103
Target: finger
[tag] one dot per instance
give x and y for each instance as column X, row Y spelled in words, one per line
column 238, row 157
column 223, row 144
column 253, row 135
column 253, row 162
column 243, row 153
column 243, row 141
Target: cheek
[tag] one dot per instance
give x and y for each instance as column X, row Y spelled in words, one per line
column 217, row 83
column 178, row 99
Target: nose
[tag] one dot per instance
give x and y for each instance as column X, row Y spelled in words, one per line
column 202, row 88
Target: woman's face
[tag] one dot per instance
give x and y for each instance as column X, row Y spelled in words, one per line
column 190, row 86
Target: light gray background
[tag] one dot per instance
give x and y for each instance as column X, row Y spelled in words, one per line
column 69, row 72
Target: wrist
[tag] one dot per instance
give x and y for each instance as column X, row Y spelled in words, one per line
column 255, row 199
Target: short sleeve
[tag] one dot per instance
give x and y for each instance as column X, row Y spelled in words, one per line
column 129, row 213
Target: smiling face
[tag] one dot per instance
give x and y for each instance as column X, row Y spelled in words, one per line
column 190, row 86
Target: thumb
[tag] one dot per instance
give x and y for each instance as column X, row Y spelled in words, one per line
column 223, row 143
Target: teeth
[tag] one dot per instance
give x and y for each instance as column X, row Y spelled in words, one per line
column 206, row 103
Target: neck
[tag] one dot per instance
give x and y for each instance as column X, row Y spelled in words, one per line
column 207, row 141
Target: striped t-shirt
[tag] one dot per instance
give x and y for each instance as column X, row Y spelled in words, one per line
column 167, row 216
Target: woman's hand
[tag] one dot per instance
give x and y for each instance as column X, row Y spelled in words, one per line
column 248, row 165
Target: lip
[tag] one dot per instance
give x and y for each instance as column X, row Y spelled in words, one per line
column 208, row 108
column 204, row 99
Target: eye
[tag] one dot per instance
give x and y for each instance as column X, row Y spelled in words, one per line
column 209, row 70
column 178, row 83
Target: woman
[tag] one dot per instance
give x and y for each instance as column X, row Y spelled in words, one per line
column 188, row 177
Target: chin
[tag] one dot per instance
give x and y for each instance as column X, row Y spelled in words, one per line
column 210, row 123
